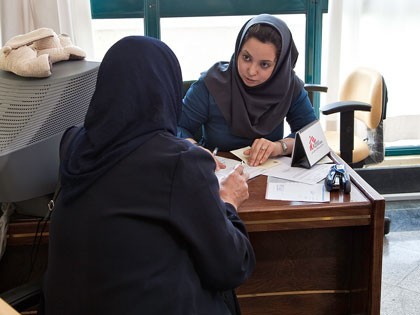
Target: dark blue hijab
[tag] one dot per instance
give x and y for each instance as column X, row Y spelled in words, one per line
column 138, row 95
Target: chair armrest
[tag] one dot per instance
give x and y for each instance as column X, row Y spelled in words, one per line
column 346, row 110
column 315, row 87
column 312, row 88
column 345, row 106
column 24, row 296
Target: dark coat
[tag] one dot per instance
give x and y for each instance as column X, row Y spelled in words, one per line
column 151, row 236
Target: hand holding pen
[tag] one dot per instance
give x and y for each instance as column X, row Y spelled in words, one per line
column 219, row 165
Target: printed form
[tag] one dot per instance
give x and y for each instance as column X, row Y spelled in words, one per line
column 284, row 182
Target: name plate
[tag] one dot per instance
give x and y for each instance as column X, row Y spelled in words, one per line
column 310, row 145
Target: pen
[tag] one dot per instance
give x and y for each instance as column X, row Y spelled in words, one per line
column 216, row 149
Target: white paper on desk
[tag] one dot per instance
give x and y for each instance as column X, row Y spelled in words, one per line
column 231, row 164
column 266, row 165
column 325, row 160
column 297, row 174
column 280, row 189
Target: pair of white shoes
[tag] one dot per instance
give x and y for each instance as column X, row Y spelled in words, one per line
column 32, row 54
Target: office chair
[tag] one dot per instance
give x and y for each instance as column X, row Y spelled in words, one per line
column 313, row 88
column 22, row 298
column 186, row 85
column 6, row 309
column 362, row 102
column 363, row 97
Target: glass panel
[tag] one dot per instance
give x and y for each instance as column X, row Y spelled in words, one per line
column 108, row 31
column 200, row 42
column 381, row 35
column 176, row 8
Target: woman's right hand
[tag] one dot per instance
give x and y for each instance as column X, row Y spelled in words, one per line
column 234, row 187
column 219, row 165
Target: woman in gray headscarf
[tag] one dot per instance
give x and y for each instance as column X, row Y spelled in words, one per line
column 244, row 102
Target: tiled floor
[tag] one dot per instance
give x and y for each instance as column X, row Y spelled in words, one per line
column 401, row 260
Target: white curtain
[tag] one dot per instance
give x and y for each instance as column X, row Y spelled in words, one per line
column 72, row 17
column 384, row 35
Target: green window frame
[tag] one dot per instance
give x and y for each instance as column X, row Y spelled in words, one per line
column 153, row 10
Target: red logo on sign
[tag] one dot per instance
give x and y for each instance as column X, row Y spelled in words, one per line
column 312, row 142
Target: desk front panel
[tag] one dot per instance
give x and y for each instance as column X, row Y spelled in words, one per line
column 309, row 271
column 25, row 258
column 314, row 258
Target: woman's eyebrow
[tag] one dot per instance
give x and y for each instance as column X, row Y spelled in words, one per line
column 244, row 51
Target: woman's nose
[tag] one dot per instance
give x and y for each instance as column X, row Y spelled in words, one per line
column 252, row 70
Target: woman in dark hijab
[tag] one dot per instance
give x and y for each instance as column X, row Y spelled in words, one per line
column 244, row 102
column 142, row 225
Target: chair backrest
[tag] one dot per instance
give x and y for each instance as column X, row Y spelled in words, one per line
column 362, row 103
column 366, row 85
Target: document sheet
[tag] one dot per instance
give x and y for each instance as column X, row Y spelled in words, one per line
column 231, row 164
column 284, row 182
column 312, row 175
column 280, row 189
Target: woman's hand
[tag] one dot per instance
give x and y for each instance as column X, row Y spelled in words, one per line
column 261, row 150
column 219, row 165
column 234, row 187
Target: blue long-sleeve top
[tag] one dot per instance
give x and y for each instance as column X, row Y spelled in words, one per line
column 201, row 115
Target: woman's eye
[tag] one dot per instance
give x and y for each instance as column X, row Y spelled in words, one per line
column 246, row 57
column 265, row 65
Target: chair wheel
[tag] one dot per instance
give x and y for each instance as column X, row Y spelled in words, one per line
column 387, row 225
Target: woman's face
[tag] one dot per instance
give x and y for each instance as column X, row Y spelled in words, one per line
column 256, row 61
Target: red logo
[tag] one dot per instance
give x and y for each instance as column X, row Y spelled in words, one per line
column 312, row 142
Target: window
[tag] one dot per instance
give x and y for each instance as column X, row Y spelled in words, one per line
column 203, row 40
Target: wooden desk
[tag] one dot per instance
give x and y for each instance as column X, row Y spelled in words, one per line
column 314, row 258
column 25, row 258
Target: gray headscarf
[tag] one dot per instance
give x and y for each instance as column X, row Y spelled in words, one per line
column 254, row 112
